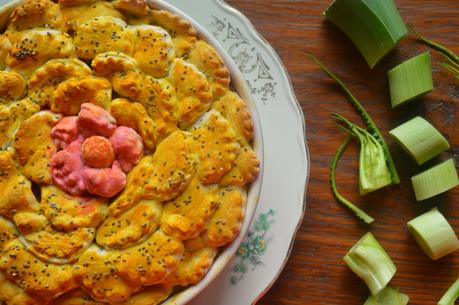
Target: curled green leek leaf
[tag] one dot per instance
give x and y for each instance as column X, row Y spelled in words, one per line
column 373, row 171
column 450, row 297
column 371, row 263
column 375, row 26
column 388, row 296
column 371, row 126
column 434, row 234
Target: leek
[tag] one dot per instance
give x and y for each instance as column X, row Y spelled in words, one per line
column 371, row 126
column 371, row 263
column 435, row 180
column 450, row 297
column 374, row 26
column 388, row 296
column 434, row 234
column 420, row 140
column 411, row 79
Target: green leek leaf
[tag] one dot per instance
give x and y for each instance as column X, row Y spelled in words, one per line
column 388, row 296
column 375, row 26
column 450, row 297
column 371, row 263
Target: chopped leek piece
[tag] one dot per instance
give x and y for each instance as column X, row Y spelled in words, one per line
column 411, row 79
column 371, row 263
column 420, row 140
column 450, row 297
column 361, row 214
column 434, row 234
column 374, row 26
column 388, row 296
column 371, row 126
column 373, row 171
column 436, row 180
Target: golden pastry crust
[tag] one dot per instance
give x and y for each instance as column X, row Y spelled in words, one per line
column 8, row 232
column 186, row 216
column 102, row 34
column 16, row 189
column 41, row 279
column 70, row 94
column 5, row 46
column 34, row 146
column 135, row 7
column 208, row 61
column 153, row 49
column 14, row 295
column 152, row 295
column 30, row 221
column 35, row 47
column 12, row 85
column 216, row 147
column 227, row 220
column 130, row 227
column 193, row 92
column 74, row 15
column 76, row 297
column 245, row 169
column 43, row 82
column 75, row 2
column 171, row 168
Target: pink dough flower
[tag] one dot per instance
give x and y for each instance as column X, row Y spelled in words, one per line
column 67, row 169
column 105, row 182
column 65, row 132
column 94, row 120
column 128, row 147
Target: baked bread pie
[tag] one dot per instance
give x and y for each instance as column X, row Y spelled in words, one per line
column 125, row 156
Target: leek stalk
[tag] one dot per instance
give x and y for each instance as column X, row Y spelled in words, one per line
column 450, row 297
column 388, row 296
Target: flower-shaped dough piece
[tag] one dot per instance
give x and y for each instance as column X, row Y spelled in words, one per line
column 75, row 12
column 152, row 261
column 58, row 247
column 227, row 220
column 67, row 169
column 12, row 85
column 16, row 189
column 94, row 120
column 65, row 132
column 41, row 279
column 245, row 169
column 5, row 46
column 102, row 34
column 35, row 47
column 95, row 271
column 105, row 182
column 130, row 227
column 172, row 167
column 35, row 147
column 66, row 212
column 76, row 297
column 193, row 92
column 186, row 216
column 12, row 116
column 44, row 81
column 74, row 92
column 192, row 268
column 15, row 295
column 216, row 146
column 128, row 147
column 8, row 232
column 152, row 295
column 30, row 221
column 153, row 49
column 208, row 61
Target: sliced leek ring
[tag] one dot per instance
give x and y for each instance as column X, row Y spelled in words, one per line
column 450, row 297
column 388, row 296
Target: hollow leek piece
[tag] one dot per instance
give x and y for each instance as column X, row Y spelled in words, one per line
column 411, row 79
column 434, row 234
column 373, row 171
column 450, row 297
column 371, row 126
column 435, row 180
column 358, row 212
column 420, row 140
column 374, row 26
column 371, row 263
column 388, row 296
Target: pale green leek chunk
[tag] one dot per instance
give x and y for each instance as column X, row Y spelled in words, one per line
column 450, row 297
column 371, row 263
column 410, row 80
column 420, row 140
column 434, row 234
column 375, row 26
column 436, row 180
column 388, row 296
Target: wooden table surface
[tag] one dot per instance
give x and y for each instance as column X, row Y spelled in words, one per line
column 315, row 273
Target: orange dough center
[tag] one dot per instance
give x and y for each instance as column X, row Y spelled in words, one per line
column 97, row 152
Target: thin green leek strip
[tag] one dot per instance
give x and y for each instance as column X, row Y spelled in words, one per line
column 373, row 171
column 442, row 49
column 450, row 297
column 388, row 296
column 374, row 26
column 451, row 66
column 371, row 263
column 434, row 234
column 410, row 80
column 420, row 139
column 436, row 180
column 371, row 126
column 361, row 214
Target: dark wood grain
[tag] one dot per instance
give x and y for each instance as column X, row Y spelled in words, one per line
column 315, row 273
